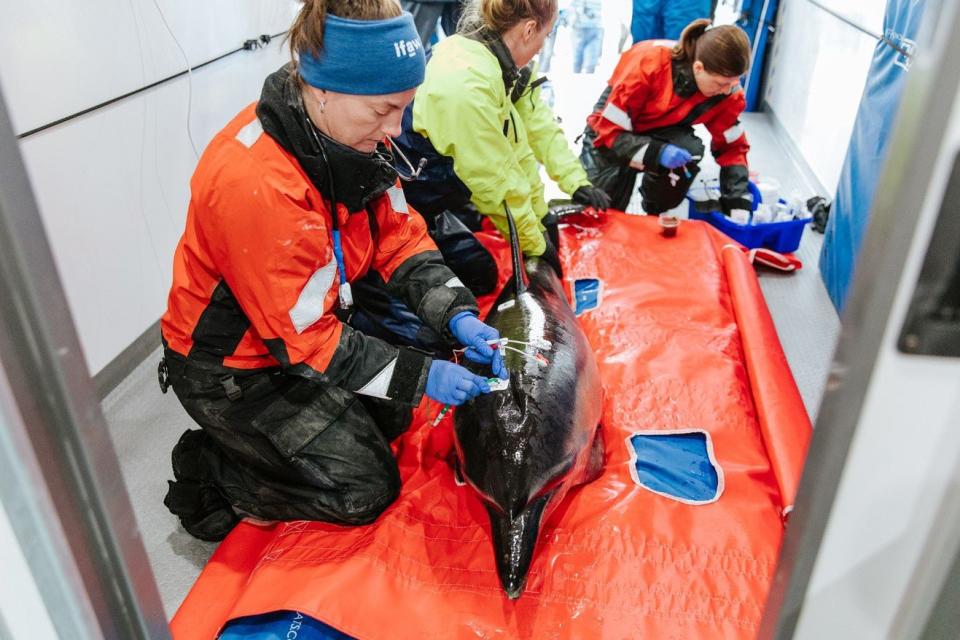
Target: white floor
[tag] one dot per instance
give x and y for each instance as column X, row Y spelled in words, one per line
column 145, row 424
column 805, row 318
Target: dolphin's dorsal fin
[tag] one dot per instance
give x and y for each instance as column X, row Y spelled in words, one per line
column 518, row 269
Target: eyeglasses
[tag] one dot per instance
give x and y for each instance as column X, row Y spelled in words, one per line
column 414, row 173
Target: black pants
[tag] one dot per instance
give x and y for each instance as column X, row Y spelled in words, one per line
column 379, row 314
column 279, row 447
column 660, row 192
column 453, row 232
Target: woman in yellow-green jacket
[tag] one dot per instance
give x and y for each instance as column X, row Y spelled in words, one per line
column 478, row 132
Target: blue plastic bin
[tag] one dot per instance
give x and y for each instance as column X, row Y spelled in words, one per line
column 783, row 237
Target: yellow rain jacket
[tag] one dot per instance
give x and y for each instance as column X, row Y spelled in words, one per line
column 497, row 146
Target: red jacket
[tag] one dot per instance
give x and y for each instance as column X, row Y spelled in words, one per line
column 649, row 90
column 255, row 281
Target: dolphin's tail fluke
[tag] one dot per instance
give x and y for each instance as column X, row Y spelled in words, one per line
column 518, row 282
column 514, row 541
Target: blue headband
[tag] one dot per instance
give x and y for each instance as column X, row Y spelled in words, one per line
column 366, row 57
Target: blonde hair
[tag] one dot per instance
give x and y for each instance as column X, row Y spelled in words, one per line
column 306, row 34
column 500, row 16
column 723, row 50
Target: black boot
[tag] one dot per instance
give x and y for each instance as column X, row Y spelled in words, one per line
column 193, row 497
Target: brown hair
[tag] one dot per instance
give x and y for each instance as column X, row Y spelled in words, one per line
column 306, row 34
column 501, row 15
column 723, row 50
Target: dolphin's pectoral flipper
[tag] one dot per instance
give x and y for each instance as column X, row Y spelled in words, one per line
column 454, row 463
column 514, row 541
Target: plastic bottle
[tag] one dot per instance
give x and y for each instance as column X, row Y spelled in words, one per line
column 795, row 205
column 763, row 214
column 769, row 189
column 784, row 217
column 784, row 212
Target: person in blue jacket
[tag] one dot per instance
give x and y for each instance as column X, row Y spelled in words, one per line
column 666, row 19
column 587, row 34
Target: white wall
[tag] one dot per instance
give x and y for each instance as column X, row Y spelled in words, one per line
column 818, row 68
column 113, row 185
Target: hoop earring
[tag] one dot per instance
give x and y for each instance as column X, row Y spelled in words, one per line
column 323, row 106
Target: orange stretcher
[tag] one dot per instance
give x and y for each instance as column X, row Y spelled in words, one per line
column 684, row 341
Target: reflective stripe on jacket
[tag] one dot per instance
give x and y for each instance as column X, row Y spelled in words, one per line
column 255, row 281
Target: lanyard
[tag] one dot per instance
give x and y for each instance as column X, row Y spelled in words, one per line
column 345, row 293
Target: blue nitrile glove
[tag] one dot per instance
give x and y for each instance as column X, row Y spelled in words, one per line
column 474, row 334
column 673, row 157
column 450, row 383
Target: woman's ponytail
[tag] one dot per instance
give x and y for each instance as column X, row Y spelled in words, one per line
column 686, row 48
column 306, row 33
column 723, row 50
column 500, row 15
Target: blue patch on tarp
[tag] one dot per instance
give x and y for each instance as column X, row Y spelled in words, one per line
column 280, row 625
column 586, row 294
column 677, row 465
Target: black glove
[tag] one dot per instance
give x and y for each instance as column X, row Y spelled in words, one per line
column 820, row 208
column 591, row 196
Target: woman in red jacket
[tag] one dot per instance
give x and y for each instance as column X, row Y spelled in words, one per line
column 295, row 211
column 643, row 121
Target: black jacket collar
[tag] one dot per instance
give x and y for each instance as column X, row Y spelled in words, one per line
column 684, row 84
column 358, row 177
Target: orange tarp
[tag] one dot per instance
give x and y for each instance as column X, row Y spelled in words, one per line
column 683, row 340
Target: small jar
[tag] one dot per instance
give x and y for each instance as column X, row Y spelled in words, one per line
column 669, row 225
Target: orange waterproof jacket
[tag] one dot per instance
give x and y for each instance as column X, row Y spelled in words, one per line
column 255, row 281
column 649, row 91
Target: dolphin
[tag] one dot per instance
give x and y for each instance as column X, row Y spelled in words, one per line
column 523, row 448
